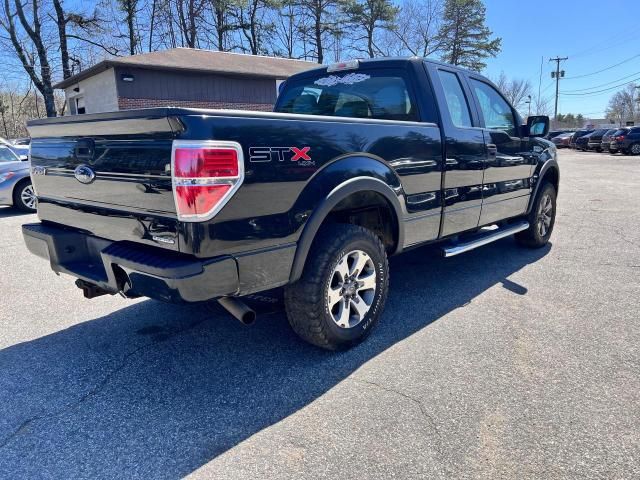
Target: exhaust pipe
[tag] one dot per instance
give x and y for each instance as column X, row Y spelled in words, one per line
column 238, row 309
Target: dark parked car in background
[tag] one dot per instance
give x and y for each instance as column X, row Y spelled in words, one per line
column 614, row 146
column 595, row 139
column 554, row 133
column 576, row 136
column 582, row 143
column 606, row 139
column 626, row 140
column 562, row 140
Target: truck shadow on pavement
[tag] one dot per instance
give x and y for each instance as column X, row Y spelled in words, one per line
column 8, row 212
column 156, row 391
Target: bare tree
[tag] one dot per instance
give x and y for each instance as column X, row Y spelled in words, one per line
column 416, row 28
column 33, row 30
column 130, row 10
column 542, row 105
column 286, row 31
column 253, row 23
column 222, row 13
column 516, row 90
column 321, row 23
column 624, row 105
column 189, row 15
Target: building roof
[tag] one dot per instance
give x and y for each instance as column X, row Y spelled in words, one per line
column 204, row 61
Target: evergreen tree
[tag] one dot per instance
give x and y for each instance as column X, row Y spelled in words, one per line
column 367, row 17
column 466, row 40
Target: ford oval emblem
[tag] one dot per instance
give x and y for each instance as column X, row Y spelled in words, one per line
column 84, row 174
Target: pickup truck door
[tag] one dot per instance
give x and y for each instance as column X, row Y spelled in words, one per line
column 464, row 152
column 506, row 187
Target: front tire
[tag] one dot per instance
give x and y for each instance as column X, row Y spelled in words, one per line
column 24, row 197
column 343, row 288
column 541, row 219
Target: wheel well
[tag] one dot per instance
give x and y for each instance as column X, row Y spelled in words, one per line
column 18, row 185
column 370, row 210
column 552, row 177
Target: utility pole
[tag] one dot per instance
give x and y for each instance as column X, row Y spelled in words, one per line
column 557, row 74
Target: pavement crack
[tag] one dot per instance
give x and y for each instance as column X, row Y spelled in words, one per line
column 93, row 391
column 427, row 416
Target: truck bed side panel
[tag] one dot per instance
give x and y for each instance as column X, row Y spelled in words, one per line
column 264, row 213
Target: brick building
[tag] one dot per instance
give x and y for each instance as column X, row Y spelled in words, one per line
column 180, row 77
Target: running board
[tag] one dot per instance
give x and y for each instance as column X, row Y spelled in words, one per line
column 484, row 238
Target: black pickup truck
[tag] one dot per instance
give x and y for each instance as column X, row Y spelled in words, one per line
column 360, row 160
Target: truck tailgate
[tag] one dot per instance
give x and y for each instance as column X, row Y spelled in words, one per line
column 131, row 159
column 119, row 161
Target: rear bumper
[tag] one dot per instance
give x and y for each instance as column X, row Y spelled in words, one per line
column 133, row 269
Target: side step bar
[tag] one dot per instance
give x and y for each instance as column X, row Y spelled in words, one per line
column 484, row 238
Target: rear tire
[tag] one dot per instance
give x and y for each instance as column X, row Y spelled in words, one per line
column 635, row 149
column 541, row 219
column 24, row 197
column 343, row 288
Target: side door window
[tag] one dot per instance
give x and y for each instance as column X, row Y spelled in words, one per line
column 496, row 111
column 456, row 100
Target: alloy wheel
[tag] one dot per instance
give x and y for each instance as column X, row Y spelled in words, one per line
column 544, row 215
column 28, row 197
column 351, row 289
column 635, row 148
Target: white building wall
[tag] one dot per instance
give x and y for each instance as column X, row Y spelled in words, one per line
column 98, row 91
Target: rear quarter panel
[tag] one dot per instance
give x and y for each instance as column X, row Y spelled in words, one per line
column 279, row 194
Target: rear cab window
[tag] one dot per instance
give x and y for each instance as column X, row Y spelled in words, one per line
column 379, row 94
column 457, row 103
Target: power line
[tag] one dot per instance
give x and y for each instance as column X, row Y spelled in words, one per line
column 606, row 44
column 547, row 87
column 602, row 85
column 604, row 69
column 597, row 92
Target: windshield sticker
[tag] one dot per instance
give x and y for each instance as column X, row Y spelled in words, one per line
column 349, row 79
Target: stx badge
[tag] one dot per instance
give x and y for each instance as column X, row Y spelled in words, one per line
column 281, row 154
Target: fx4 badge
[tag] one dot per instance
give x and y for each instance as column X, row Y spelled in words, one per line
column 280, row 154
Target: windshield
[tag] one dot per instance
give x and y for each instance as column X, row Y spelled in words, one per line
column 7, row 155
column 371, row 94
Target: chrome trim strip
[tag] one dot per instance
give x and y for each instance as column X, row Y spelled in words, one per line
column 459, row 248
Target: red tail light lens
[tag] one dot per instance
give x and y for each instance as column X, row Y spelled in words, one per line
column 205, row 176
column 206, row 162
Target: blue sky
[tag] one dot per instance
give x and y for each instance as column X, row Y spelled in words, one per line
column 594, row 35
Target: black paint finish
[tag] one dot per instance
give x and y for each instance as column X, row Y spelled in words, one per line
column 438, row 179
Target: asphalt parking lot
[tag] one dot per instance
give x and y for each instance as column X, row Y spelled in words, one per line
column 500, row 363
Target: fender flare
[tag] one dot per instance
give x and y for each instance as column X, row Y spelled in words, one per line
column 339, row 193
column 546, row 166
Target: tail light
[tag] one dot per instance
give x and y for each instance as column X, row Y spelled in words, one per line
column 205, row 175
column 620, row 138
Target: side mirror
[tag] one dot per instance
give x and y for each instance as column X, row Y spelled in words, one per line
column 537, row 126
column 24, row 158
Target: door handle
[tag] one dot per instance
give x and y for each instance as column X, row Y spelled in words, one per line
column 492, row 150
